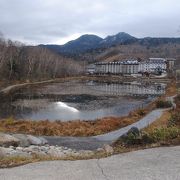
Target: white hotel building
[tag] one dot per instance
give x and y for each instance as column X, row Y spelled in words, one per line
column 152, row 65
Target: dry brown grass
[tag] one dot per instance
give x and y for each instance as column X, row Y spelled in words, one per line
column 171, row 89
column 71, row 128
column 162, row 122
column 15, row 161
column 9, row 162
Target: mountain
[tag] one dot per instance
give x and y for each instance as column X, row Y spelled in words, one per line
column 120, row 38
column 149, row 41
column 82, row 44
column 89, row 42
column 87, row 45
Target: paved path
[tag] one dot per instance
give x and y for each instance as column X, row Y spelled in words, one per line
column 94, row 142
column 152, row 164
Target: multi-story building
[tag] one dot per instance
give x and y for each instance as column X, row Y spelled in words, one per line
column 152, row 65
column 123, row 67
column 170, row 64
column 130, row 67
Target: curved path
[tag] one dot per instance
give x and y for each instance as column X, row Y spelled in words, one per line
column 14, row 87
column 94, row 142
column 158, row 164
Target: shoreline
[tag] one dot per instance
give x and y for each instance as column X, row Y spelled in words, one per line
column 12, row 88
column 74, row 128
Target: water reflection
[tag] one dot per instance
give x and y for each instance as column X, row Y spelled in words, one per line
column 130, row 89
column 80, row 100
column 55, row 112
column 63, row 106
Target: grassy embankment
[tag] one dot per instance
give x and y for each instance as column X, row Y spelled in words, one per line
column 165, row 131
column 71, row 128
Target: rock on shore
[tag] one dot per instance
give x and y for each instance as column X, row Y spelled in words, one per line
column 50, row 151
column 8, row 140
column 22, row 145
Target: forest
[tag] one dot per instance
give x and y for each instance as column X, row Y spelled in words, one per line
column 21, row 62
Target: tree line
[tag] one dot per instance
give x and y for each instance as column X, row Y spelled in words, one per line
column 20, row 62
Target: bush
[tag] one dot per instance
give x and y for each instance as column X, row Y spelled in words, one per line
column 141, row 112
column 174, row 119
column 131, row 139
column 10, row 121
column 163, row 104
column 147, row 139
column 164, row 134
column 158, row 135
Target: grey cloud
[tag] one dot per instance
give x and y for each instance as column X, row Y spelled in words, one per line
column 49, row 21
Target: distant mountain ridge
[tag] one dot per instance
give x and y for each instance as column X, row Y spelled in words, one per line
column 119, row 38
column 80, row 45
column 90, row 42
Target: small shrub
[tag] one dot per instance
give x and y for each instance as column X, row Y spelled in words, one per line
column 141, row 112
column 164, row 134
column 130, row 139
column 147, row 139
column 174, row 133
column 9, row 121
column 158, row 135
column 163, row 104
column 174, row 119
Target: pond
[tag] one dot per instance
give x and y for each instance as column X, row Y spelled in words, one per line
column 79, row 100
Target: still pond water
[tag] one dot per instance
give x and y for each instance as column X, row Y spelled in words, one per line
column 74, row 100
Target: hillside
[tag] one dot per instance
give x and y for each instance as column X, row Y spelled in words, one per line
column 137, row 51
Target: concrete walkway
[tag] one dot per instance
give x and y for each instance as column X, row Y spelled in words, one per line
column 94, row 142
column 158, row 164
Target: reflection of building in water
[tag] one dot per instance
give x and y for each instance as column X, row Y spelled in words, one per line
column 131, row 89
column 152, row 65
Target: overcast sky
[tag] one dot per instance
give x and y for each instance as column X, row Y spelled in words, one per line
column 58, row 21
